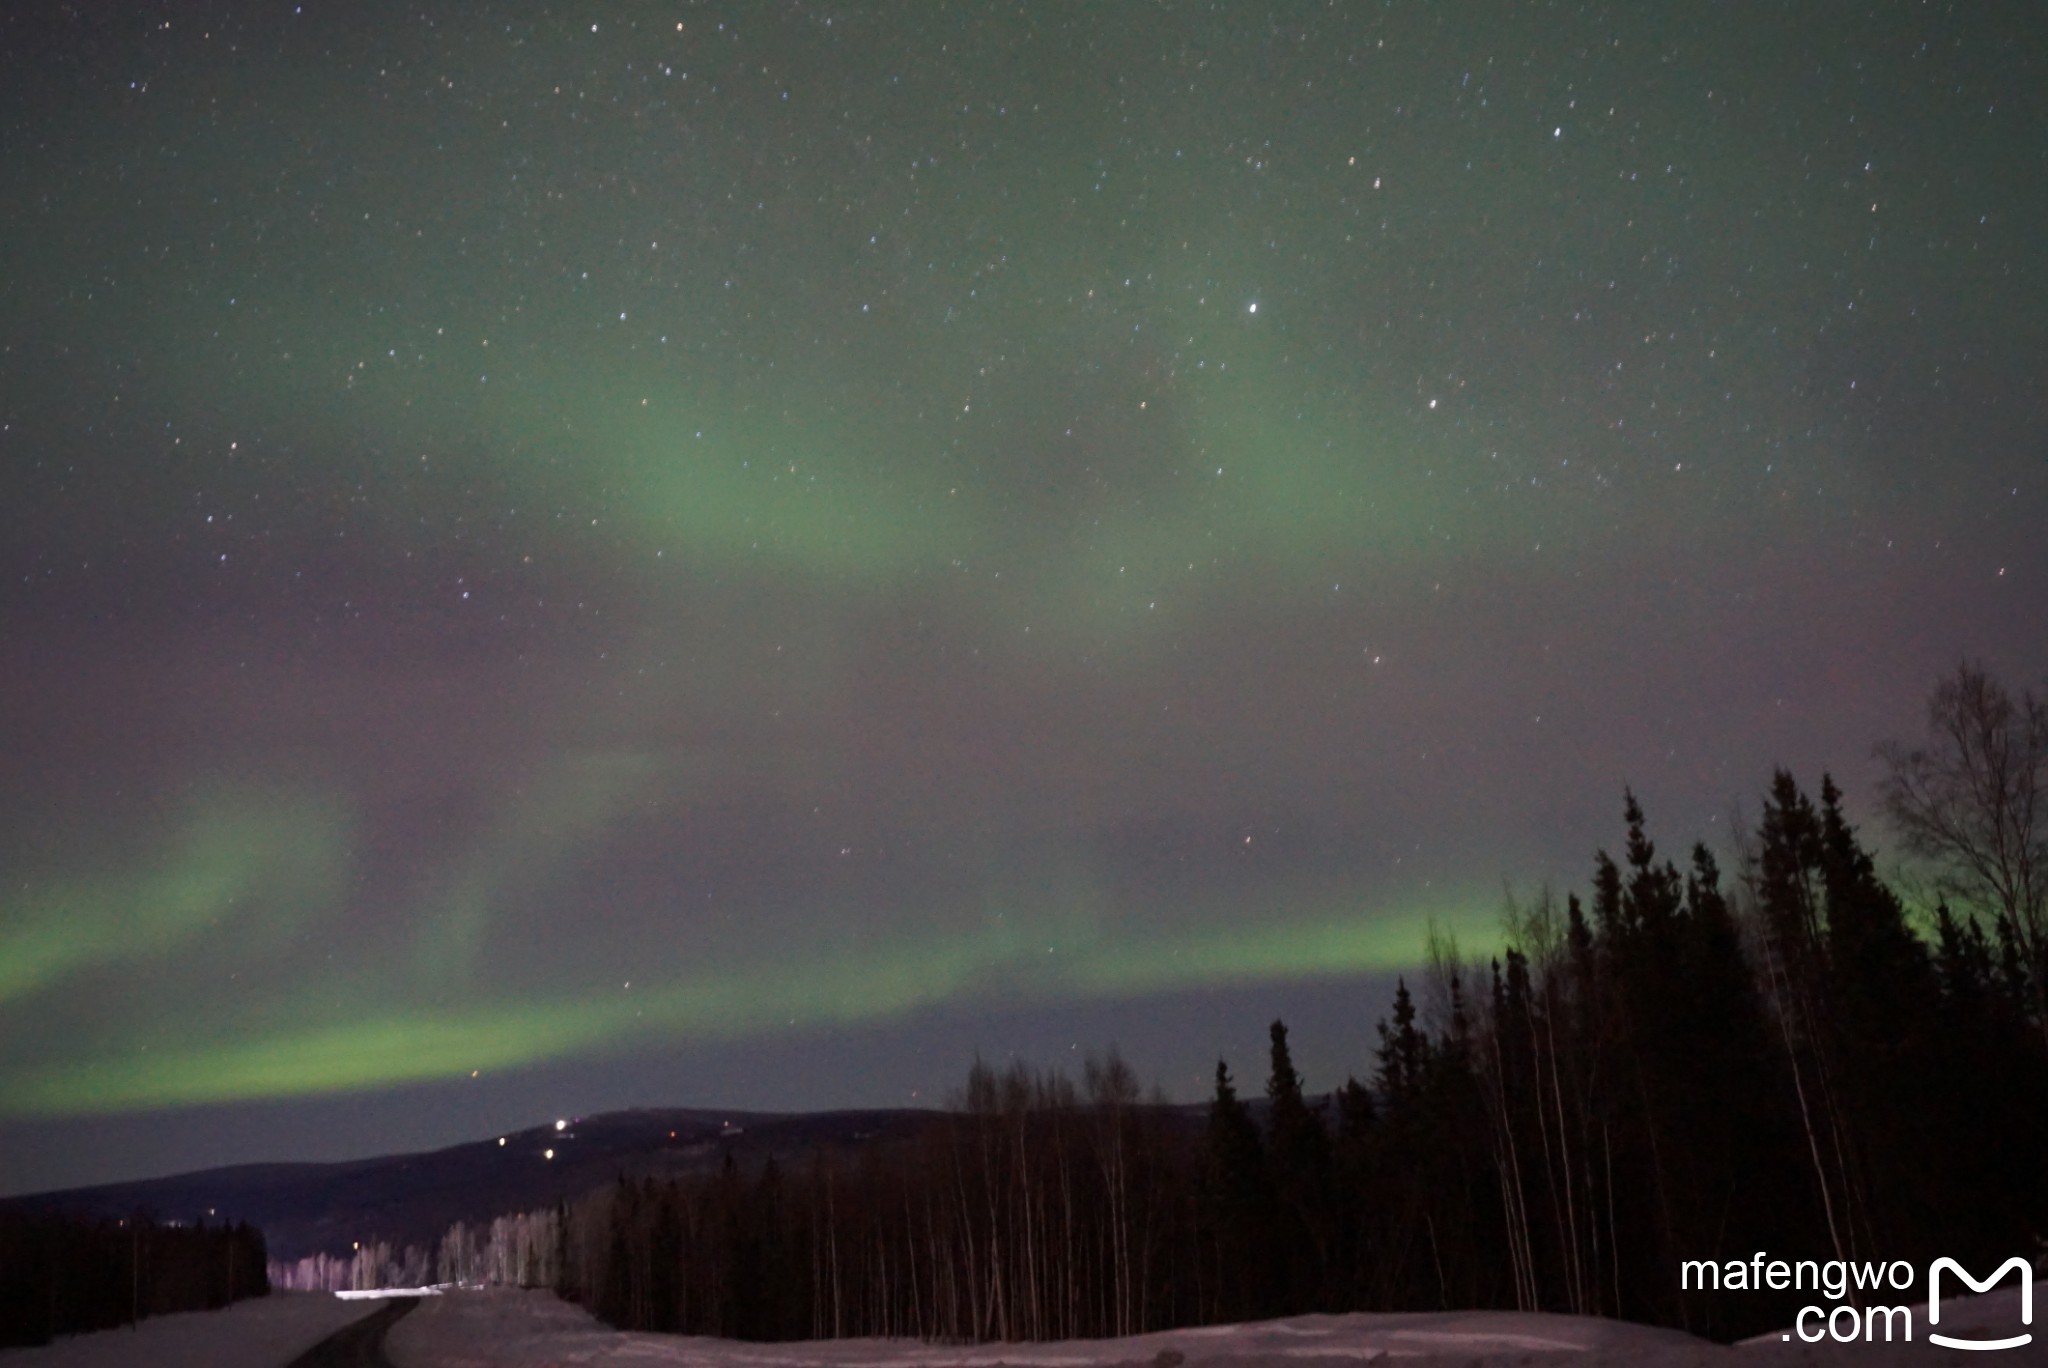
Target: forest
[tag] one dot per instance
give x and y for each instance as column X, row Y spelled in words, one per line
column 1680, row 1064
column 64, row 1276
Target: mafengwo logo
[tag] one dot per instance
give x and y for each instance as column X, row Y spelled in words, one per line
column 2026, row 1277
column 1856, row 1315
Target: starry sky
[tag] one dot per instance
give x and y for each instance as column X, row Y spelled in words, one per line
column 570, row 556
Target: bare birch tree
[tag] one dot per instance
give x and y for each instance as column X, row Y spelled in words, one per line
column 1972, row 800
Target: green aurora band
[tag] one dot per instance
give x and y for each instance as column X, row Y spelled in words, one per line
column 384, row 1037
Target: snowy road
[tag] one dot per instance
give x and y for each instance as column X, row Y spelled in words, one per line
column 360, row 1345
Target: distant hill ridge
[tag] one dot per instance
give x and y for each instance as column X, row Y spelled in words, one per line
column 312, row 1208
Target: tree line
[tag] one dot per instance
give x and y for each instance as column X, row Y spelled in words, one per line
column 522, row 1249
column 1037, row 1210
column 60, row 1275
column 1680, row 1064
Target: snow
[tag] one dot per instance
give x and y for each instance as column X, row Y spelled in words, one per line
column 506, row 1328
column 502, row 1328
column 387, row 1293
column 262, row 1332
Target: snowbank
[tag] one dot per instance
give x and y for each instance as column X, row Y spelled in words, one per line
column 502, row 1328
column 387, row 1293
column 505, row 1328
column 262, row 1332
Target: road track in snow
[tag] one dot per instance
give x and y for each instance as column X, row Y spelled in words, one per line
column 359, row 1344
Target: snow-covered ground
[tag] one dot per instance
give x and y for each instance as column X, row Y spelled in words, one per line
column 263, row 1332
column 507, row 1329
column 503, row 1328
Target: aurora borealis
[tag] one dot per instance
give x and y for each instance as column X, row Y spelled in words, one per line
column 694, row 554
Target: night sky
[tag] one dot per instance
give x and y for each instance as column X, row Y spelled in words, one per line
column 561, row 557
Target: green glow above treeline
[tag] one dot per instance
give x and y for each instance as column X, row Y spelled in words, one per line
column 229, row 891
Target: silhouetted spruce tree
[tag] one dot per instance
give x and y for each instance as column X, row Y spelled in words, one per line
column 1644, row 951
column 1439, row 1193
column 1468, row 1215
column 1237, row 1207
column 1401, row 1051
column 1738, row 1114
column 1396, row 1254
column 1994, row 1077
column 1790, row 903
column 1884, row 995
column 1298, row 1158
column 1352, row 1208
